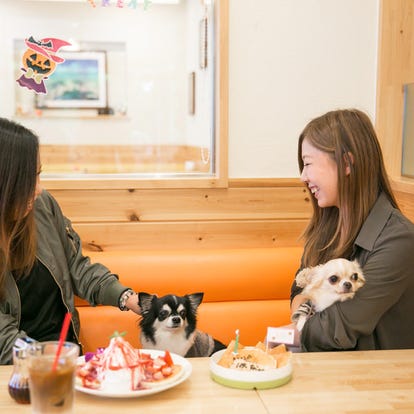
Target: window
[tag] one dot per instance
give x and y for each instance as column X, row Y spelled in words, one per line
column 133, row 95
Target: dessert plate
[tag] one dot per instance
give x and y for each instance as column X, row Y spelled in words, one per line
column 120, row 391
column 260, row 380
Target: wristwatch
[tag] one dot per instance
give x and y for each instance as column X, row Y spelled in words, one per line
column 124, row 298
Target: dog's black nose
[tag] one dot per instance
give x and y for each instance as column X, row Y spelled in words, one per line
column 176, row 320
column 347, row 285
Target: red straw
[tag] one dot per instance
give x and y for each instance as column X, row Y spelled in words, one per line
column 62, row 338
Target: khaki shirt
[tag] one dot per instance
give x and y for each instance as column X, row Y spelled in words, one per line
column 381, row 314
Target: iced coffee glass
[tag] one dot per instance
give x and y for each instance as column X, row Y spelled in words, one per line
column 52, row 384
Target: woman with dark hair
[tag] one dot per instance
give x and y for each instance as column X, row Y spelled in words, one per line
column 355, row 216
column 41, row 261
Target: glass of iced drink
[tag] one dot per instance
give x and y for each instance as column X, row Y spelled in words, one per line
column 51, row 380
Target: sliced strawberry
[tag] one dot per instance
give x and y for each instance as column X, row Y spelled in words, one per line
column 168, row 359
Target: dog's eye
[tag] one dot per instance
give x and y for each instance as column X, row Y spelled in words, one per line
column 163, row 314
column 183, row 313
column 333, row 279
column 354, row 277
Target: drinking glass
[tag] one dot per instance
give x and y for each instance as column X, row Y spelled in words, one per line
column 52, row 382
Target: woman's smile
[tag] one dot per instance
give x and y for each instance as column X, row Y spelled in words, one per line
column 320, row 174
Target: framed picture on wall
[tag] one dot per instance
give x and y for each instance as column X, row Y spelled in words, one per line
column 79, row 82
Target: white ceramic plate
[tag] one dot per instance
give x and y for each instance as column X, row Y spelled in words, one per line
column 128, row 393
column 236, row 378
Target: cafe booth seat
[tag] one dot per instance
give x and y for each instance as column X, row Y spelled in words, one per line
column 245, row 289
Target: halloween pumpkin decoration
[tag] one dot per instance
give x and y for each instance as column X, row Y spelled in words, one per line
column 39, row 62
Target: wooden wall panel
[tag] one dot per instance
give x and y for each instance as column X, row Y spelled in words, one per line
column 395, row 68
column 184, row 204
column 395, row 29
column 250, row 213
column 188, row 235
column 406, row 203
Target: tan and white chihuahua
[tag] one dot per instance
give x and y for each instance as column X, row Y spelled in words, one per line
column 334, row 281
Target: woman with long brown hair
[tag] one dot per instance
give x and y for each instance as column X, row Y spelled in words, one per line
column 41, row 261
column 355, row 216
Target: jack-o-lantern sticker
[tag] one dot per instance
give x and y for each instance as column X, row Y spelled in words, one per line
column 39, row 62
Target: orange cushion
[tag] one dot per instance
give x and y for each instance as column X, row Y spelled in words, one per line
column 231, row 274
column 245, row 289
column 219, row 319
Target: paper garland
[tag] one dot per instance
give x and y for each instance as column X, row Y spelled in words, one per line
column 132, row 4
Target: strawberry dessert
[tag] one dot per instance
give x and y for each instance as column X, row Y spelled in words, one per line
column 120, row 365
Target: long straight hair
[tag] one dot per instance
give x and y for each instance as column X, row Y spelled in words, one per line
column 348, row 136
column 19, row 152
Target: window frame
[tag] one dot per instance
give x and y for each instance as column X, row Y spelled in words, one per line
column 220, row 145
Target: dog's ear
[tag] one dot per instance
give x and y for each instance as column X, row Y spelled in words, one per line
column 145, row 301
column 304, row 276
column 195, row 299
column 358, row 270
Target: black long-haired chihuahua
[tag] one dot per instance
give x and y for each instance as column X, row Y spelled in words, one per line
column 170, row 323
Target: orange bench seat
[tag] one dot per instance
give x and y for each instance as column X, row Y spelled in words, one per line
column 245, row 289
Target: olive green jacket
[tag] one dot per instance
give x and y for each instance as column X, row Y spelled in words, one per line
column 381, row 315
column 59, row 249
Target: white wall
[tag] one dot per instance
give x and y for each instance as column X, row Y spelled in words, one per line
column 292, row 60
